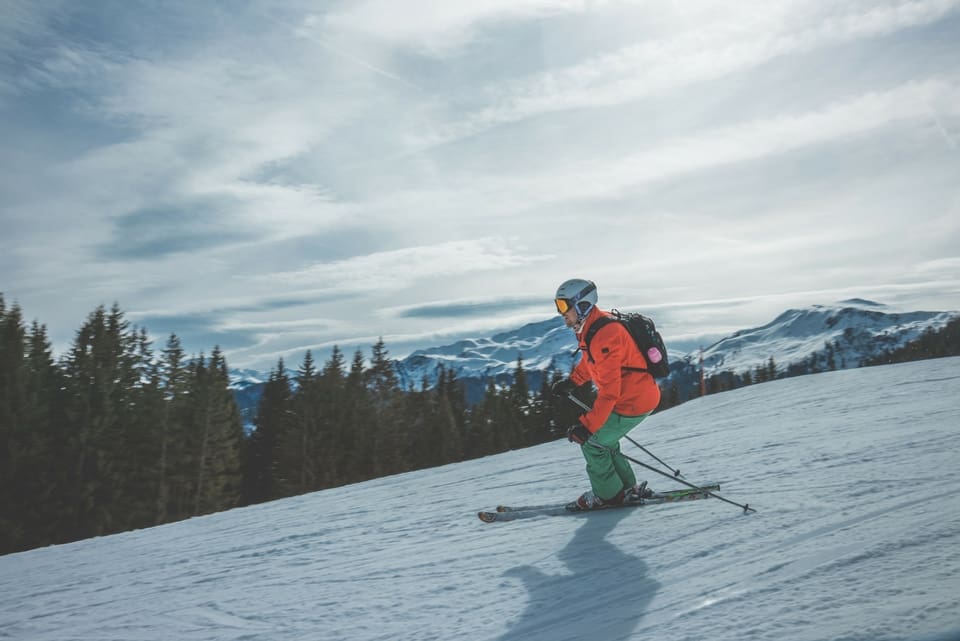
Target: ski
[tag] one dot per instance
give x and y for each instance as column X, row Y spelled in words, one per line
column 713, row 487
column 513, row 513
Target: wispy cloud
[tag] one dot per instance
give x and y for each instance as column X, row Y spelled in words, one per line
column 401, row 268
column 434, row 28
column 664, row 64
column 468, row 307
column 150, row 233
column 309, row 30
column 307, row 175
column 745, row 142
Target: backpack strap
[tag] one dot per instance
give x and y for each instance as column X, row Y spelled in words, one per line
column 603, row 321
column 598, row 324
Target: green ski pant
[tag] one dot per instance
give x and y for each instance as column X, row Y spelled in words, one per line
column 608, row 471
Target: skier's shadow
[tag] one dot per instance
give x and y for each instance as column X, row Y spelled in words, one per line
column 605, row 595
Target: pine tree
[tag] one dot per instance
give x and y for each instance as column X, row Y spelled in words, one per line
column 173, row 426
column 535, row 419
column 521, row 407
column 264, row 474
column 389, row 435
column 451, row 408
column 41, row 484
column 673, row 395
column 760, row 373
column 299, row 446
column 481, row 424
column 217, row 419
column 334, row 417
column 142, row 421
column 420, row 420
column 95, row 394
column 507, row 426
column 357, row 430
column 549, row 423
column 14, row 433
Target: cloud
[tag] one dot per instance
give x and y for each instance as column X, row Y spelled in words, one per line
column 401, row 268
column 155, row 232
column 734, row 43
column 431, row 27
column 192, row 168
column 468, row 308
column 750, row 141
column 24, row 29
column 198, row 332
column 420, row 172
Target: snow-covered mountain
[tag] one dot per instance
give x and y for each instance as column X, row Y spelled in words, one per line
column 853, row 473
column 854, row 329
column 242, row 378
column 542, row 346
column 247, row 386
column 851, row 331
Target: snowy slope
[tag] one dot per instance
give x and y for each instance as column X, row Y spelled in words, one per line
column 854, row 474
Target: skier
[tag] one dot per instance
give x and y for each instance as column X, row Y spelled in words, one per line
column 624, row 396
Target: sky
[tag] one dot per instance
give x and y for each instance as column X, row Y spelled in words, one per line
column 854, row 537
column 273, row 177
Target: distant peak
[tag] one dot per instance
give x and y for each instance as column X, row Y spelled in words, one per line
column 861, row 302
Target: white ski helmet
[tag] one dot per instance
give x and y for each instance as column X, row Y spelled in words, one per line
column 578, row 293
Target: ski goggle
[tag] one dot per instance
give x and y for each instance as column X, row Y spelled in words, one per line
column 563, row 304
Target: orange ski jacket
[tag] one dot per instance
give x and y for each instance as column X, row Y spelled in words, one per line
column 626, row 392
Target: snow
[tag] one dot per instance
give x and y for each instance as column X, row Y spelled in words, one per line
column 854, row 475
column 857, row 328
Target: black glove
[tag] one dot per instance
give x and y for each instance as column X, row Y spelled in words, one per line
column 563, row 387
column 577, row 433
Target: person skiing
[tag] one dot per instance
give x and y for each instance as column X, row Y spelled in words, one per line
column 625, row 396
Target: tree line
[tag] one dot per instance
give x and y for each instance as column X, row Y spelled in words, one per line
column 932, row 343
column 112, row 436
column 339, row 423
column 115, row 435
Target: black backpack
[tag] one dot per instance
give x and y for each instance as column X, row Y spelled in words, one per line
column 644, row 334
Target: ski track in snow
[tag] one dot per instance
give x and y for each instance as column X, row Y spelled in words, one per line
column 854, row 474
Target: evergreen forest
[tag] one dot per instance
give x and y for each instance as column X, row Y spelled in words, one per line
column 115, row 434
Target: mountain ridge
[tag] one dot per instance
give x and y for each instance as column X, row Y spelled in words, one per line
column 794, row 335
column 840, row 335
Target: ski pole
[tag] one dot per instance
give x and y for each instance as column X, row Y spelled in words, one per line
column 746, row 507
column 676, row 471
